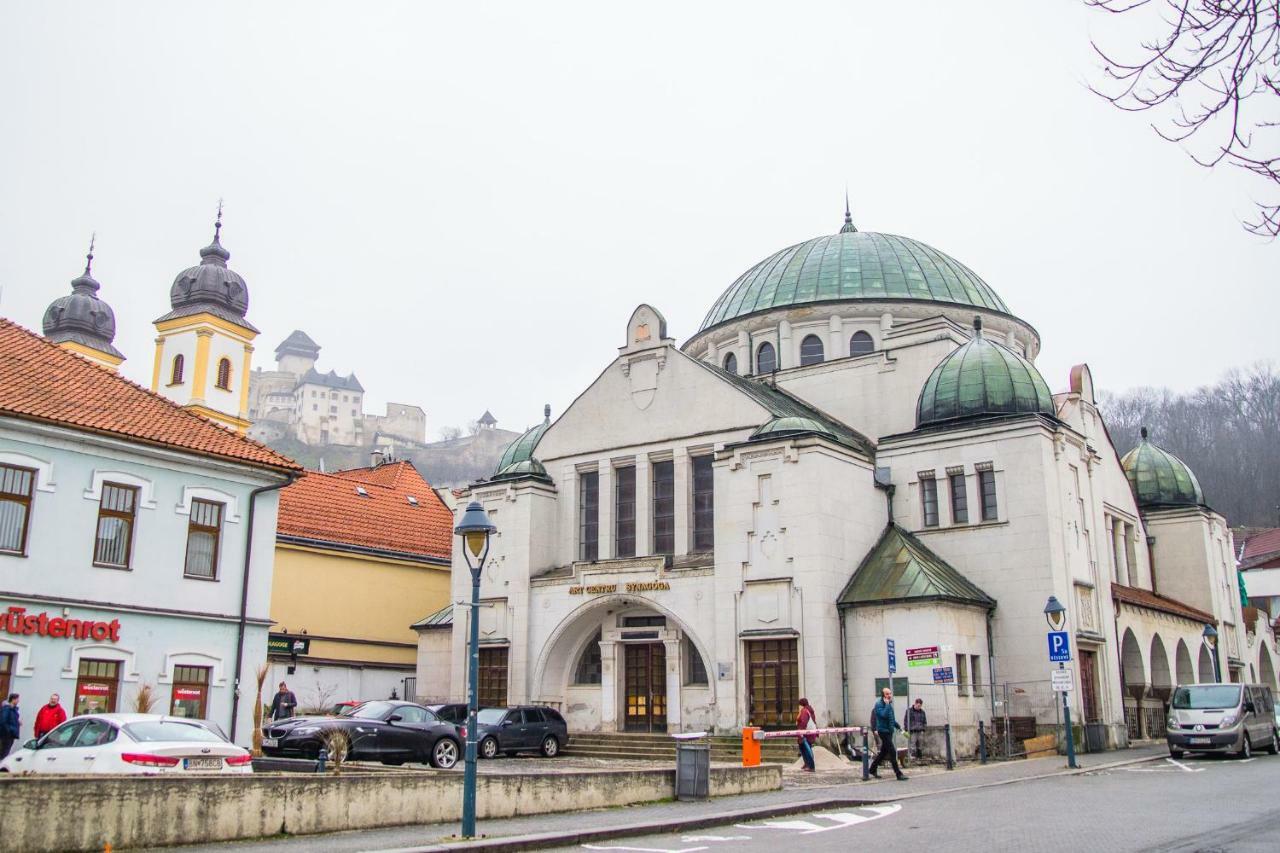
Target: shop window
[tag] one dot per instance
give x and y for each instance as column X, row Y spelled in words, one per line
column 589, row 665
column 624, row 511
column 695, row 669
column 493, row 678
column 175, row 375
column 959, row 499
column 589, row 516
column 929, row 500
column 987, row 494
column 204, row 532
column 731, row 364
column 190, row 692
column 766, row 358
column 861, row 344
column 703, row 505
column 664, row 508
column 117, row 512
column 16, row 486
column 811, row 350
column 97, row 686
column 6, row 674
column 224, row 374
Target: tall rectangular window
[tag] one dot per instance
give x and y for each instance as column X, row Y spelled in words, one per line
column 703, row 505
column 204, row 531
column 624, row 511
column 987, row 494
column 962, row 675
column 117, row 510
column 975, row 672
column 929, row 500
column 589, row 516
column 959, row 499
column 664, row 507
column 492, row 688
column 16, row 485
column 190, row 691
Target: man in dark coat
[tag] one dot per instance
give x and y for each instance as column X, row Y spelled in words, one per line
column 10, row 724
column 916, row 723
column 283, row 703
column 882, row 718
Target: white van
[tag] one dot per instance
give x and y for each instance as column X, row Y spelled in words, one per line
column 1235, row 718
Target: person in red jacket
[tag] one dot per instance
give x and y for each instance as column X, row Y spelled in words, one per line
column 806, row 720
column 49, row 717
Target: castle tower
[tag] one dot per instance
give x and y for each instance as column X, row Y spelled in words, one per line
column 83, row 323
column 204, row 346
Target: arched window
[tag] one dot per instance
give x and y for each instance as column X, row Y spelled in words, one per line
column 811, row 350
column 766, row 358
column 731, row 363
column 224, row 373
column 861, row 344
column 175, row 378
column 588, row 668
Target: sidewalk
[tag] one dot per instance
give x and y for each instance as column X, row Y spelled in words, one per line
column 564, row 829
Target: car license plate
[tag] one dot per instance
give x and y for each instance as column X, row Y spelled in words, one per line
column 1199, row 741
column 202, row 763
column 270, row 741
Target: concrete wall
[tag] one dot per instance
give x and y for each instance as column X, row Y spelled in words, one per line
column 132, row 811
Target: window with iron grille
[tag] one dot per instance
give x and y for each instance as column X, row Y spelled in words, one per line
column 664, row 508
column 695, row 669
column 987, row 494
column 731, row 363
column 204, row 534
column 766, row 358
column 224, row 374
column 16, row 487
column 703, row 505
column 861, row 344
column 959, row 499
column 589, row 516
column 811, row 350
column 492, row 687
column 113, row 545
column 929, row 499
column 624, row 511
column 175, row 376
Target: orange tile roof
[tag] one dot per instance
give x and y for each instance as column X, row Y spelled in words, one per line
column 1260, row 547
column 41, row 381
column 326, row 508
column 1164, row 604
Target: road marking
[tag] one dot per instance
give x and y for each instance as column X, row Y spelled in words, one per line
column 1245, row 760
column 648, row 849
column 839, row 820
column 1176, row 763
column 690, row 838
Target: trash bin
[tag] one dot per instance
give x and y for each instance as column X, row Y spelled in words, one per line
column 693, row 766
column 1095, row 737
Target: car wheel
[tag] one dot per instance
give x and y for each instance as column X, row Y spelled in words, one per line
column 489, row 747
column 1175, row 753
column 444, row 754
column 550, row 746
column 1246, row 748
column 1274, row 748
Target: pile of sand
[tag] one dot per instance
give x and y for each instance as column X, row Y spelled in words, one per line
column 824, row 759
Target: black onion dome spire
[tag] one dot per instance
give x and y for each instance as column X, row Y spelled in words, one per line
column 211, row 287
column 81, row 317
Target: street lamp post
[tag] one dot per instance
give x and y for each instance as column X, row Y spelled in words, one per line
column 475, row 529
column 1056, row 615
column 1210, row 637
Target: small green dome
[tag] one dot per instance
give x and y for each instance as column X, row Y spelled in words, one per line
column 517, row 460
column 793, row 425
column 852, row 265
column 1160, row 479
column 982, row 378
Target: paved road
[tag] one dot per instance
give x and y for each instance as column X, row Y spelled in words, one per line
column 1208, row 804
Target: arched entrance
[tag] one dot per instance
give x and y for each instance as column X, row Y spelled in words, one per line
column 1266, row 669
column 1186, row 674
column 1153, row 707
column 1133, row 678
column 1207, row 675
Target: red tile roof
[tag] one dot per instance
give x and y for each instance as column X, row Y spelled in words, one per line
column 41, row 381
column 326, row 508
column 1260, row 546
column 1164, row 604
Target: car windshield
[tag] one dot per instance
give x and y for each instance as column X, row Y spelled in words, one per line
column 1210, row 696
column 490, row 716
column 170, row 730
column 372, row 710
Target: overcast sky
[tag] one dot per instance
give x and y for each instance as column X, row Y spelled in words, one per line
column 463, row 202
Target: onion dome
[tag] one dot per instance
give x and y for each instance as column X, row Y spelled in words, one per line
column 210, row 287
column 982, row 378
column 517, row 461
column 81, row 317
column 849, row 266
column 1159, row 479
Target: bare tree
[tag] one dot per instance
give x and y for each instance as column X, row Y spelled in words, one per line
column 145, row 699
column 324, row 697
column 450, row 433
column 1212, row 70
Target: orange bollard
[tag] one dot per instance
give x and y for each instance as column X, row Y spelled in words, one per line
column 750, row 747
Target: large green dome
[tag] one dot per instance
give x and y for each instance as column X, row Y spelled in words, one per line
column 853, row 265
column 517, row 461
column 982, row 378
column 1160, row 479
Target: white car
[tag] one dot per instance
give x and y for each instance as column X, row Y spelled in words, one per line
column 129, row 743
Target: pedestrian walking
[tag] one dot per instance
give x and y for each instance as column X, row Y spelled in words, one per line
column 10, row 724
column 882, row 717
column 803, row 722
column 49, row 717
column 915, row 723
column 283, row 703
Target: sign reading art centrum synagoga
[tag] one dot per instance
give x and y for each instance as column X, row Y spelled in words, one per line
column 18, row 621
column 606, row 588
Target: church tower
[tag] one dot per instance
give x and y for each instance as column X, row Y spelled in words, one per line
column 83, row 323
column 204, row 346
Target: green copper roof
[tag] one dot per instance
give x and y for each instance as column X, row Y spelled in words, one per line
column 442, row 618
column 849, row 265
column 1160, row 479
column 900, row 568
column 517, row 460
column 982, row 378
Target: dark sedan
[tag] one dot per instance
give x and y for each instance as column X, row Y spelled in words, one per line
column 524, row 729
column 454, row 712
column 389, row 732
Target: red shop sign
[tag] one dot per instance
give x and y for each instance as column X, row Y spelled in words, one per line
column 91, row 689
column 17, row 621
column 187, row 693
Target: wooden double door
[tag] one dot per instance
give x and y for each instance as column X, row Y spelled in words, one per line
column 773, row 683
column 644, row 671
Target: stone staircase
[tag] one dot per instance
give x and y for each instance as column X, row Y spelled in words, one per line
column 627, row 746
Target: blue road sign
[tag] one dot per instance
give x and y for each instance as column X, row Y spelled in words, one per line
column 893, row 656
column 1059, row 647
column 944, row 675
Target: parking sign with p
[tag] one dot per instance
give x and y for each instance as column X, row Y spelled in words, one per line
column 1059, row 647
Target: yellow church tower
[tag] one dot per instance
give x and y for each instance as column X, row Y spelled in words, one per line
column 204, row 346
column 83, row 323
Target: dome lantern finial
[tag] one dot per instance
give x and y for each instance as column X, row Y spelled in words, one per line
column 977, row 325
column 88, row 259
column 1143, row 431
column 213, row 254
column 848, row 227
column 546, row 413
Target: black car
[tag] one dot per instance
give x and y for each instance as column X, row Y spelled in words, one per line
column 390, row 732
column 454, row 712
column 523, row 729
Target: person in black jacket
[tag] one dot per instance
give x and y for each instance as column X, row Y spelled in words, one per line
column 915, row 722
column 10, row 724
column 283, row 703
